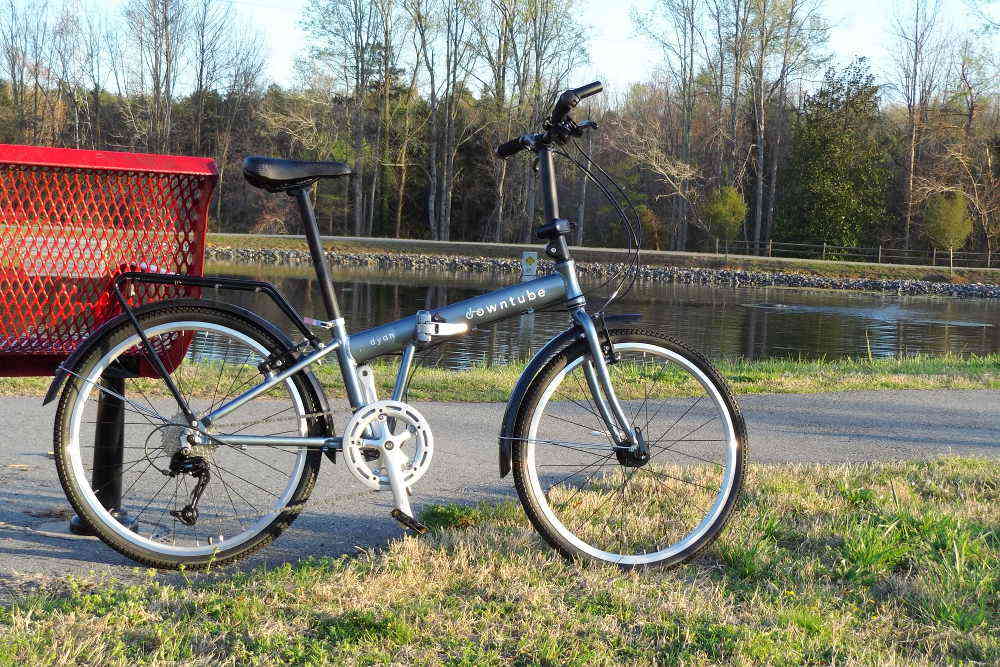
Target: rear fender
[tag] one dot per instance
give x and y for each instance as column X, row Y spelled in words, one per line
column 320, row 426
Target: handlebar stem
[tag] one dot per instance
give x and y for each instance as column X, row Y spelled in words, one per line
column 550, row 197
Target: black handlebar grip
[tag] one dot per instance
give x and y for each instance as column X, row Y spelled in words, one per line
column 509, row 148
column 570, row 98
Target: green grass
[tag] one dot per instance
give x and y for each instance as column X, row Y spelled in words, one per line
column 771, row 376
column 890, row 564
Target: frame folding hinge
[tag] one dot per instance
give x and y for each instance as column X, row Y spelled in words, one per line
column 428, row 328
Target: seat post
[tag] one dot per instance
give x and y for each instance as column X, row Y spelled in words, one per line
column 316, row 251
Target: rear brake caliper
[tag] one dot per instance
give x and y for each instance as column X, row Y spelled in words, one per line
column 197, row 467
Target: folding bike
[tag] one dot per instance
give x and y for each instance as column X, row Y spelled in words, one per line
column 626, row 447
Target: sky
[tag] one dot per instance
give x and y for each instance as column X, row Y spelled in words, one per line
column 618, row 56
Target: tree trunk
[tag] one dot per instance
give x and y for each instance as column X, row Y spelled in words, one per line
column 500, row 172
column 908, row 195
column 772, row 182
column 758, row 206
column 401, row 191
column 370, row 219
column 432, row 175
column 581, row 209
column 359, row 173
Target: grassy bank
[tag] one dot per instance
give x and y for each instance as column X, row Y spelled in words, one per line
column 814, row 267
column 894, row 564
column 771, row 376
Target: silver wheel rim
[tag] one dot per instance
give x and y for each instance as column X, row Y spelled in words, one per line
column 693, row 536
column 84, row 491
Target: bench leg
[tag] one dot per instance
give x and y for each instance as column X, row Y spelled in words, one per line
column 109, row 453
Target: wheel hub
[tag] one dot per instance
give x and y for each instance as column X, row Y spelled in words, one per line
column 637, row 456
column 178, row 436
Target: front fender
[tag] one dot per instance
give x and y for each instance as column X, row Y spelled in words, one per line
column 531, row 371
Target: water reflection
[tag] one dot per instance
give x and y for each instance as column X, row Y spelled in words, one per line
column 718, row 321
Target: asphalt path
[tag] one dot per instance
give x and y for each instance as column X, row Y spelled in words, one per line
column 343, row 518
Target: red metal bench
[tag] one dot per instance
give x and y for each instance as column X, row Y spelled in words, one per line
column 70, row 221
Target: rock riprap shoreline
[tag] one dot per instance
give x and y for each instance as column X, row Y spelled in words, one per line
column 667, row 274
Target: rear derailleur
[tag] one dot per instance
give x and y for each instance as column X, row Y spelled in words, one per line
column 197, row 467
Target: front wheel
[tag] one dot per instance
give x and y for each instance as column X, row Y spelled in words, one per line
column 593, row 500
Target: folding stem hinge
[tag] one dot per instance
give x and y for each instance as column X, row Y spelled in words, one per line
column 429, row 326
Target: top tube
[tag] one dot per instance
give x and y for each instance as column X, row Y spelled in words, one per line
column 478, row 310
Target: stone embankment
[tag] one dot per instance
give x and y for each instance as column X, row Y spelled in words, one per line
column 667, row 274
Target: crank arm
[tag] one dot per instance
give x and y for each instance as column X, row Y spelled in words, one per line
column 393, row 460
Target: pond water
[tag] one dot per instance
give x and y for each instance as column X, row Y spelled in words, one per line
column 722, row 322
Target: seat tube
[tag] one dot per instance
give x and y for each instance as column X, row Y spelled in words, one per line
column 348, row 367
column 316, row 251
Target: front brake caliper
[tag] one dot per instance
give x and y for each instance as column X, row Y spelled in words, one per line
column 610, row 356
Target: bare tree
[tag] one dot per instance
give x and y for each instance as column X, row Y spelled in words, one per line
column 632, row 136
column 456, row 65
column 95, row 37
column 345, row 38
column 785, row 35
column 240, row 78
column 496, row 30
column 423, row 17
column 212, row 48
column 146, row 60
column 919, row 59
column 682, row 41
column 24, row 35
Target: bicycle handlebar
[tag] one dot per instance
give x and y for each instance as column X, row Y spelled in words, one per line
column 570, row 98
column 566, row 103
column 509, row 148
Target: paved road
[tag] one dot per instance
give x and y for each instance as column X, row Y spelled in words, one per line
column 342, row 518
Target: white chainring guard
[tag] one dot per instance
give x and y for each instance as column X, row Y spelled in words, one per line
column 417, row 448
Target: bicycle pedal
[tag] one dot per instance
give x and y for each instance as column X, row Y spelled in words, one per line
column 408, row 521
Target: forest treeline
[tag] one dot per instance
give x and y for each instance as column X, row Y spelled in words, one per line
column 745, row 132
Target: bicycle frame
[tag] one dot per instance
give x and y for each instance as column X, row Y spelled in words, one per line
column 405, row 335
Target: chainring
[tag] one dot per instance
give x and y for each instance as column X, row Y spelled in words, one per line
column 369, row 429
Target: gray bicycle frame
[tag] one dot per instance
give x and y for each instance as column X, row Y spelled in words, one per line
column 402, row 335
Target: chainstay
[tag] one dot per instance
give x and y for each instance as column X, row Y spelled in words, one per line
column 308, row 415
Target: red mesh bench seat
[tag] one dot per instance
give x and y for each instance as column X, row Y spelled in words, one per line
column 70, row 221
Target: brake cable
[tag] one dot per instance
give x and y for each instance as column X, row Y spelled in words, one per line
column 634, row 230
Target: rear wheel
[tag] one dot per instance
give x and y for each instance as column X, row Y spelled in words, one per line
column 183, row 504
column 593, row 500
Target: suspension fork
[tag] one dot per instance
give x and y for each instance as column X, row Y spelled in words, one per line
column 599, row 381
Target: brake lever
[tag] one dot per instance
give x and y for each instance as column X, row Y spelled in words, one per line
column 576, row 129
